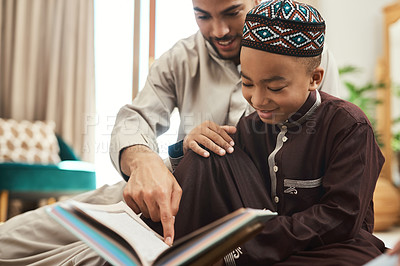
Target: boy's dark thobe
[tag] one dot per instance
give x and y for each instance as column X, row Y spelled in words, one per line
column 318, row 171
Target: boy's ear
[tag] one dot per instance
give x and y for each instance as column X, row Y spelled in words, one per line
column 316, row 78
column 257, row 2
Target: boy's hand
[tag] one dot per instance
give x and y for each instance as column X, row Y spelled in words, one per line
column 151, row 188
column 212, row 136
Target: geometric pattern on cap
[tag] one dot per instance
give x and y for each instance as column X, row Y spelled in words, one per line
column 288, row 10
column 285, row 27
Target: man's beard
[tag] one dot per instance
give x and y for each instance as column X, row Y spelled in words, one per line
column 225, row 38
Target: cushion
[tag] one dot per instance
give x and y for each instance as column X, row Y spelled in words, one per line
column 28, row 142
column 65, row 177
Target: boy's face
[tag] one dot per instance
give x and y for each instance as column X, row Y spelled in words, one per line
column 221, row 23
column 276, row 85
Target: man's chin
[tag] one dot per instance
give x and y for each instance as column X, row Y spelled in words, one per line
column 233, row 56
column 228, row 56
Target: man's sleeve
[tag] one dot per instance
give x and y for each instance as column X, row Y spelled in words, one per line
column 330, row 81
column 148, row 116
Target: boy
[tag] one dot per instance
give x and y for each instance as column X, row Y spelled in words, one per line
column 309, row 156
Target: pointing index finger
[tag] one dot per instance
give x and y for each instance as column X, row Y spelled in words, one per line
column 167, row 221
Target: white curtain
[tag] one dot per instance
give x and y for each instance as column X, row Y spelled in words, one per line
column 47, row 66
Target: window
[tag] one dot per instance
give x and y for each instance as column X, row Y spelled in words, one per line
column 113, row 65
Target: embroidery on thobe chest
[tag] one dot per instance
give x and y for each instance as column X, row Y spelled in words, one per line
column 293, row 184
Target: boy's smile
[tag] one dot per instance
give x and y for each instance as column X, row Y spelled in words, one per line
column 266, row 114
column 276, row 85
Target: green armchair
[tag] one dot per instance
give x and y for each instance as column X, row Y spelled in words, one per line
column 37, row 181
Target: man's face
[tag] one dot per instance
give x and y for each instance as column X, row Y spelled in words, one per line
column 276, row 85
column 221, row 23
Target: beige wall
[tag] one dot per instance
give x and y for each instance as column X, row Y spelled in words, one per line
column 355, row 32
column 314, row 3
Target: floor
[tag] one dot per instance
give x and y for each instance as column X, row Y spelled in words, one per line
column 390, row 237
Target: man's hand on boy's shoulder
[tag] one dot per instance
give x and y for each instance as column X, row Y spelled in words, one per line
column 212, row 136
column 151, row 189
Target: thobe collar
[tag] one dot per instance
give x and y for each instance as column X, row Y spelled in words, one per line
column 305, row 111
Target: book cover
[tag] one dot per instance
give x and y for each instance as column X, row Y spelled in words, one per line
column 117, row 234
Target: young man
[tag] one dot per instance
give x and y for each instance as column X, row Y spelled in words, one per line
column 199, row 75
column 309, row 156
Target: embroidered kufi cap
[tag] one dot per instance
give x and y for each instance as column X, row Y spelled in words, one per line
column 285, row 27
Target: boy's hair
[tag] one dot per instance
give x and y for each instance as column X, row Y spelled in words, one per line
column 310, row 63
column 285, row 27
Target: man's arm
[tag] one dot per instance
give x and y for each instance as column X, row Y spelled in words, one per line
column 146, row 118
column 151, row 188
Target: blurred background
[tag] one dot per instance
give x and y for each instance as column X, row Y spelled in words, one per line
column 76, row 62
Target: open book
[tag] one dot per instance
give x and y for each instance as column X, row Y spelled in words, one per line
column 119, row 235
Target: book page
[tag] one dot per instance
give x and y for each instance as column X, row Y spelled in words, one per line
column 384, row 259
column 147, row 245
column 211, row 242
column 111, row 208
column 105, row 228
column 146, row 242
